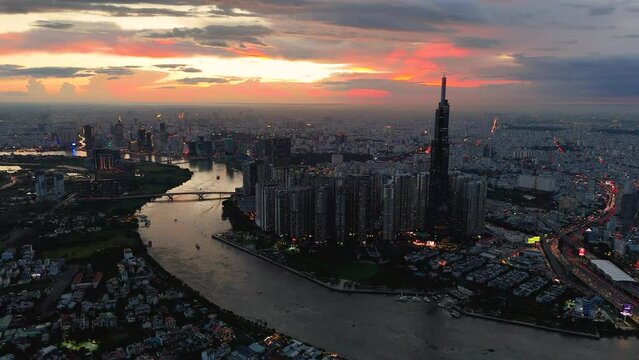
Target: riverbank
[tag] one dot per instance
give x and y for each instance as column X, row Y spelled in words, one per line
column 398, row 292
column 311, row 278
column 595, row 336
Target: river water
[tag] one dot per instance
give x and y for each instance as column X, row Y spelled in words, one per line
column 358, row 326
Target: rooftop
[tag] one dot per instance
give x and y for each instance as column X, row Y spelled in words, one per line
column 613, row 271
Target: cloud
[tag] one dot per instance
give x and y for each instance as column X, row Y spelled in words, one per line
column 476, row 42
column 601, row 10
column 170, row 66
column 113, row 8
column 398, row 16
column 35, row 88
column 218, row 35
column 574, row 77
column 115, row 70
column 179, row 67
column 67, row 91
column 627, row 36
column 8, row 70
column 199, row 80
column 56, row 25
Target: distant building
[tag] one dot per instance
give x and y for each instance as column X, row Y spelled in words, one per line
column 545, row 183
column 88, row 137
column 276, row 151
column 106, row 159
column 49, row 185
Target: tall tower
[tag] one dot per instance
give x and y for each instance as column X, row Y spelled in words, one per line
column 438, row 207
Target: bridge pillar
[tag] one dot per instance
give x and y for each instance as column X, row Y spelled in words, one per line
column 200, row 196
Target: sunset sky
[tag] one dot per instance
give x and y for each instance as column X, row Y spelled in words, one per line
column 527, row 52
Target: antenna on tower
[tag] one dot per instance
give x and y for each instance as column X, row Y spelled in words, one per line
column 443, row 88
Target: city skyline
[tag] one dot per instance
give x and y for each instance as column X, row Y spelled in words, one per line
column 196, row 52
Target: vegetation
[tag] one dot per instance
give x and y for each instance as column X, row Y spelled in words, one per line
column 358, row 271
column 79, row 247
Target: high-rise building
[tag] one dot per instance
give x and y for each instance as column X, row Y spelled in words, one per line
column 106, row 159
column 58, row 185
column 324, row 213
column 89, row 137
column 438, row 207
column 276, row 151
column 468, row 203
column 49, row 185
column 341, row 196
column 388, row 213
column 302, row 212
column 118, row 134
column 249, row 178
column 627, row 205
column 265, row 205
column 41, row 184
column 421, row 196
column 400, row 205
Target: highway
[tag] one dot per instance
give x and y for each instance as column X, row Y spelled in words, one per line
column 563, row 257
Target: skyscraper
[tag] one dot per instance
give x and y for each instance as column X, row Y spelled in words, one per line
column 438, row 207
column 468, row 203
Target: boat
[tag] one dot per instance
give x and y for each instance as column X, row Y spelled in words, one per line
column 416, row 298
column 218, row 177
column 175, row 220
column 402, row 298
column 197, row 246
column 454, row 314
column 426, row 298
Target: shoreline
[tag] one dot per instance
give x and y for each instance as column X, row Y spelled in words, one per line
column 595, row 336
column 310, row 278
column 235, row 245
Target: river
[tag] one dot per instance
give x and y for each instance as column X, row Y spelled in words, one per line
column 358, row 326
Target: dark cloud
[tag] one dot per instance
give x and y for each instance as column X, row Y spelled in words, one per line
column 601, row 10
column 200, row 80
column 627, row 36
column 597, row 10
column 115, row 70
column 56, row 25
column 218, row 35
column 8, row 70
column 114, row 8
column 595, row 76
column 178, row 67
column 425, row 17
column 169, row 66
column 476, row 42
column 190, row 70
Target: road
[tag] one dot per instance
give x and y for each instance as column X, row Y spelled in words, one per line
column 563, row 257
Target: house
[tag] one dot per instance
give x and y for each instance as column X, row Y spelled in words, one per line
column 243, row 353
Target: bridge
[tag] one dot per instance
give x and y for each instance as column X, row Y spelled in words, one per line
column 201, row 195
